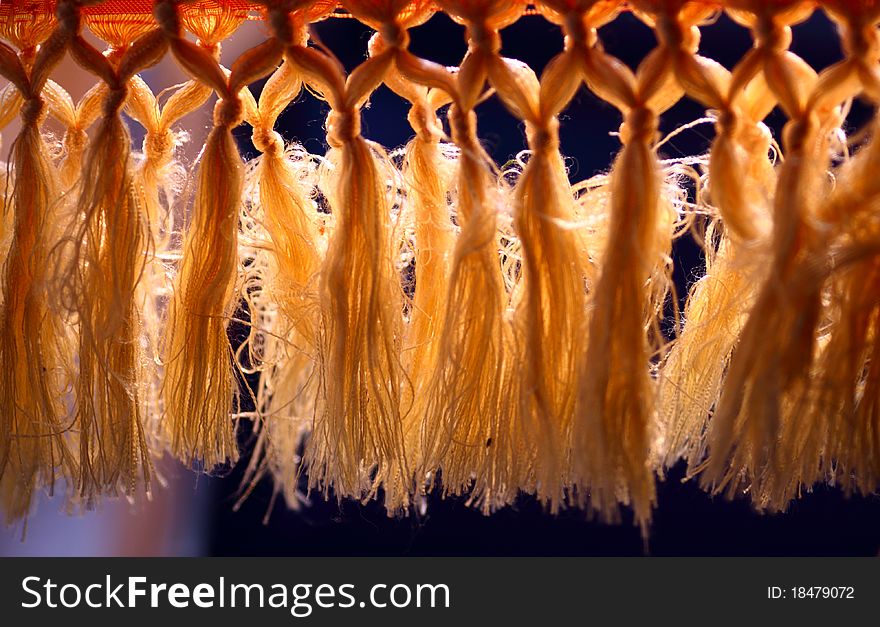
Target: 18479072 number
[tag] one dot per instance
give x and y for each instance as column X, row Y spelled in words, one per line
column 811, row 592
column 823, row 592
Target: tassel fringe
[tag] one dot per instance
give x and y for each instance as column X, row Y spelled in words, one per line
column 423, row 319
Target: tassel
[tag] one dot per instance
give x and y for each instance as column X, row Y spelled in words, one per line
column 464, row 434
column 758, row 438
column 550, row 319
column 357, row 434
column 615, row 410
column 616, row 392
column 736, row 243
column 427, row 170
column 199, row 387
column 157, row 181
column 34, row 439
column 847, row 371
column 108, row 263
column 360, row 427
column 285, row 301
column 843, row 404
column 847, row 376
column 34, row 450
column 199, row 383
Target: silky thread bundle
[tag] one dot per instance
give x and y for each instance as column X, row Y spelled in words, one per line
column 423, row 319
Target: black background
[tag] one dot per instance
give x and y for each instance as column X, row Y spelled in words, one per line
column 687, row 521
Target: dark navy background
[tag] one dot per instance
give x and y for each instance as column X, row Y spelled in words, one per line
column 687, row 521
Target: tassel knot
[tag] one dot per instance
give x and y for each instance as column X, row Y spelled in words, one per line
column 463, row 123
column 158, row 147
column 75, row 140
column 268, row 141
column 228, row 112
column 394, row 36
column 640, row 125
column 674, row 35
column 544, row 138
column 282, row 25
column 32, row 111
column 798, row 132
column 424, row 123
column 772, row 36
column 168, row 19
column 342, row 127
column 579, row 33
column 728, row 123
column 482, row 37
column 115, row 99
column 68, row 17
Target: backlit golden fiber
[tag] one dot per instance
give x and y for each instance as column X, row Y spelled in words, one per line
column 424, row 318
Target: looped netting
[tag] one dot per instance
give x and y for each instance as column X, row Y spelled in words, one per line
column 424, row 318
